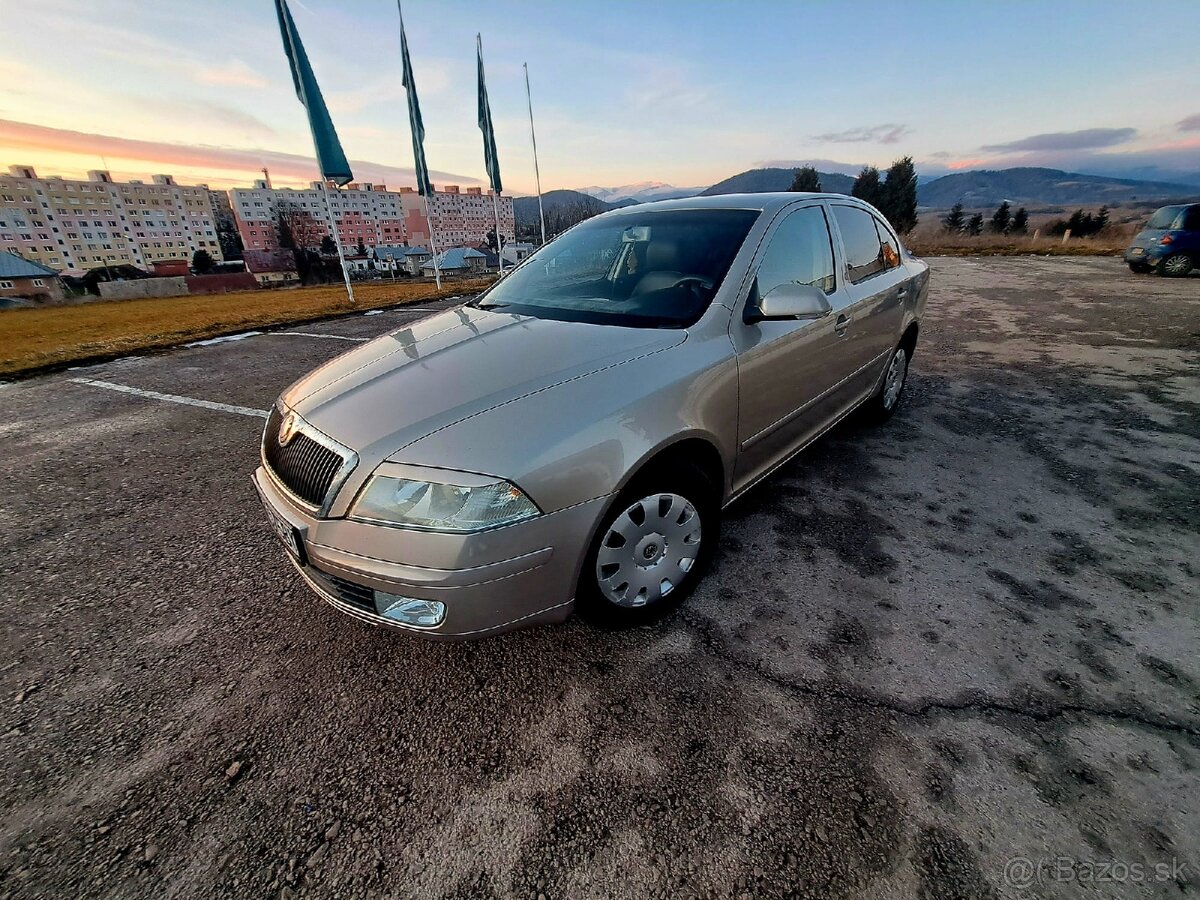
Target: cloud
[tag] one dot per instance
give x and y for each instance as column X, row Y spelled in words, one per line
column 234, row 73
column 888, row 133
column 1191, row 123
column 215, row 113
column 1087, row 139
column 218, row 166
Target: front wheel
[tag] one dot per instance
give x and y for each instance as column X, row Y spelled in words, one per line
column 886, row 399
column 1175, row 266
column 651, row 548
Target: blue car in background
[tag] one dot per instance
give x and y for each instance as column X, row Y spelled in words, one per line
column 1170, row 242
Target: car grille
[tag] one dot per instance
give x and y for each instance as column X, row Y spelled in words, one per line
column 306, row 467
column 356, row 595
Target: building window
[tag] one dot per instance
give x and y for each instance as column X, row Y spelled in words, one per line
column 6, row 284
column 37, row 282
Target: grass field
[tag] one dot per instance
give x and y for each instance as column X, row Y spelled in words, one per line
column 36, row 339
column 929, row 238
column 1006, row 245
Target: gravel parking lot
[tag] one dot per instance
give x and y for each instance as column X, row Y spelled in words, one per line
column 952, row 657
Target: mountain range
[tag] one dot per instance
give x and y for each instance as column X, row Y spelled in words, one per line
column 985, row 188
column 975, row 189
column 559, row 207
column 642, row 192
column 758, row 181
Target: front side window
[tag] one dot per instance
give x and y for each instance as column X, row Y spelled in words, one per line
column 641, row 270
column 864, row 253
column 1191, row 222
column 800, row 251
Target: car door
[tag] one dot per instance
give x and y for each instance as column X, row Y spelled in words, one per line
column 1190, row 239
column 877, row 285
column 789, row 370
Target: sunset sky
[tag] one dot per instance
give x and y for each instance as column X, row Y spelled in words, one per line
column 685, row 93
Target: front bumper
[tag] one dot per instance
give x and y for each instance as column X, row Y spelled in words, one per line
column 493, row 581
column 1147, row 255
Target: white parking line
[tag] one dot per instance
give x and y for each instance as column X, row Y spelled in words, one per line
column 172, row 398
column 224, row 339
column 334, row 337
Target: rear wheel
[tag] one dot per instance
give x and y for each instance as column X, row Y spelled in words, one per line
column 1175, row 266
column 887, row 397
column 651, row 548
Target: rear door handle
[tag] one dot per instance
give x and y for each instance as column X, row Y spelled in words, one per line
column 903, row 292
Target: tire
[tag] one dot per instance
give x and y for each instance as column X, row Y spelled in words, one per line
column 663, row 495
column 1138, row 268
column 886, row 399
column 1175, row 266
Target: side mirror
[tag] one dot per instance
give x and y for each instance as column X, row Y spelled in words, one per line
column 791, row 301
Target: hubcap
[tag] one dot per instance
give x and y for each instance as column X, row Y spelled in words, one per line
column 1176, row 264
column 895, row 378
column 648, row 550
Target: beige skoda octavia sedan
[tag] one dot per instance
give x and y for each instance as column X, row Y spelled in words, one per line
column 569, row 438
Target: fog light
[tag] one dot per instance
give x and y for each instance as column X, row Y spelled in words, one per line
column 410, row 611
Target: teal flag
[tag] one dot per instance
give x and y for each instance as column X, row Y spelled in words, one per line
column 490, row 159
column 415, row 124
column 330, row 157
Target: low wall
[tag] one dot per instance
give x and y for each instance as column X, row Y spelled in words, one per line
column 175, row 286
column 220, row 284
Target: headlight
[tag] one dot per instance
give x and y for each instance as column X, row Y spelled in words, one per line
column 437, row 506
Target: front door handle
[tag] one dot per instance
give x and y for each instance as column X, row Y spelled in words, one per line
column 842, row 323
column 903, row 292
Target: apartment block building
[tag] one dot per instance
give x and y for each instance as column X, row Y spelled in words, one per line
column 72, row 224
column 369, row 214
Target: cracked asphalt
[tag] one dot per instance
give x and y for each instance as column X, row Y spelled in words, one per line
column 951, row 657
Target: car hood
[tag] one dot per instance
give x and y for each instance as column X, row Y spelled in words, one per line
column 1148, row 237
column 407, row 384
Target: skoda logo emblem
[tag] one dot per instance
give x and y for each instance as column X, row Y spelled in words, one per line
column 288, row 428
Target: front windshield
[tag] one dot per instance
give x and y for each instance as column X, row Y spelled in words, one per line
column 1162, row 219
column 647, row 270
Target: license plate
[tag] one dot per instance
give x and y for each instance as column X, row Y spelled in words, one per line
column 286, row 533
column 1137, row 251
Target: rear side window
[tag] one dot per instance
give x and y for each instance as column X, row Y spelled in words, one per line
column 800, row 251
column 864, row 254
column 891, row 249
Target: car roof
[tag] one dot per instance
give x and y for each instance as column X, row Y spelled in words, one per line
column 766, row 202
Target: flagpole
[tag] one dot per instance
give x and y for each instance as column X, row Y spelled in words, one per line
column 495, row 193
column 337, row 238
column 437, row 271
column 499, row 241
column 533, row 137
column 424, row 186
